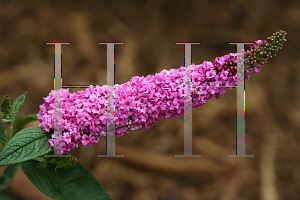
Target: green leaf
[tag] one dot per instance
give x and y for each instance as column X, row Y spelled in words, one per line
column 2, row 134
column 27, row 144
column 76, row 183
column 22, row 120
column 8, row 175
column 16, row 106
column 42, row 165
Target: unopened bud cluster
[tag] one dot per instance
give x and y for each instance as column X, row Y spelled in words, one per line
column 5, row 106
column 263, row 50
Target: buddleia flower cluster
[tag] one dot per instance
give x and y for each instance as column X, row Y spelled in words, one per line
column 143, row 101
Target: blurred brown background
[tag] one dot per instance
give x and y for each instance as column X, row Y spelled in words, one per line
column 149, row 30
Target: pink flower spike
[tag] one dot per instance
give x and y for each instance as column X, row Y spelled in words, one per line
column 142, row 102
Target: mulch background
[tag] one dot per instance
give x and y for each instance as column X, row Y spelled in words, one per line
column 149, row 30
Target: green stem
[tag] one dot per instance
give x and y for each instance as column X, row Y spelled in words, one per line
column 10, row 132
